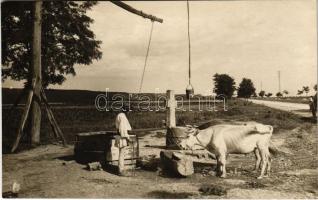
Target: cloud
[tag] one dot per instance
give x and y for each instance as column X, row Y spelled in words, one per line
column 251, row 39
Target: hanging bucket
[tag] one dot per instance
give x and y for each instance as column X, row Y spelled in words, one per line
column 189, row 91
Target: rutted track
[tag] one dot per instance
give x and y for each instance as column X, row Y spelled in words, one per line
column 297, row 108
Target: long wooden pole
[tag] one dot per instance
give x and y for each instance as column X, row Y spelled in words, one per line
column 37, row 76
column 189, row 47
column 137, row 12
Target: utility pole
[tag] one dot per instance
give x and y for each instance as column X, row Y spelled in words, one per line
column 261, row 86
column 279, row 89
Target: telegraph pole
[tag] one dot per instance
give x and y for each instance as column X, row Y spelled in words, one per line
column 279, row 89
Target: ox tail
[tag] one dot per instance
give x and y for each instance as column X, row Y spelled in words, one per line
column 273, row 150
column 271, row 129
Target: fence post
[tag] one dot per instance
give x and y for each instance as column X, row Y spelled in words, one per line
column 171, row 111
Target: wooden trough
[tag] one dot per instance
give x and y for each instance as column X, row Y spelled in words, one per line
column 175, row 135
column 100, row 146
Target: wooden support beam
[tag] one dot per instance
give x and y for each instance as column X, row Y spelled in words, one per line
column 23, row 120
column 15, row 104
column 171, row 111
column 137, row 12
column 56, row 129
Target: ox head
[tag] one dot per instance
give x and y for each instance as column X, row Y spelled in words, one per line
column 190, row 142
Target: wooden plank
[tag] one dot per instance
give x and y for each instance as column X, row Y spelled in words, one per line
column 197, row 156
column 115, row 132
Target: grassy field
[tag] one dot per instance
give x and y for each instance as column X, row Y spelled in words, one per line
column 76, row 119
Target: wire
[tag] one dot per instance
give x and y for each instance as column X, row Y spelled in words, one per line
column 189, row 42
column 145, row 64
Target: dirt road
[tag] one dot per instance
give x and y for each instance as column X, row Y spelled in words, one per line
column 51, row 172
column 298, row 108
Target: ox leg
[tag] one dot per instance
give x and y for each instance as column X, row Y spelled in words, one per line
column 258, row 160
column 218, row 165
column 223, row 165
column 264, row 157
column 269, row 163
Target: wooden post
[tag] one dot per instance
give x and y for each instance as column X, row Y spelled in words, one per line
column 121, row 160
column 171, row 111
column 36, row 76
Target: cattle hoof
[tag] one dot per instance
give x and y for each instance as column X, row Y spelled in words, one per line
column 223, row 176
column 260, row 177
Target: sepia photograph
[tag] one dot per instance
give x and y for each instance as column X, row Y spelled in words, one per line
column 186, row 99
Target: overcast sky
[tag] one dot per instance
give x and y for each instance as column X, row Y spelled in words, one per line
column 252, row 39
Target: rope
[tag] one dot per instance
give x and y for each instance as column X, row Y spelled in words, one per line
column 145, row 64
column 189, row 42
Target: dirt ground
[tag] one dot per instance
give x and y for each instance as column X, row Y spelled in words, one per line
column 51, row 172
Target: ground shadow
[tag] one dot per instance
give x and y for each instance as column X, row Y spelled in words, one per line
column 151, row 164
column 9, row 194
column 159, row 194
column 213, row 189
column 112, row 169
column 156, row 146
column 66, row 158
column 309, row 119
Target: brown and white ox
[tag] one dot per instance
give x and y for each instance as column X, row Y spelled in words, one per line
column 225, row 139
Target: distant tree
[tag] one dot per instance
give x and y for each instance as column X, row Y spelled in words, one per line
column 261, row 93
column 41, row 42
column 306, row 89
column 246, row 88
column 67, row 39
column 268, row 94
column 285, row 92
column 254, row 94
column 300, row 92
column 224, row 85
column 279, row 94
column 315, row 87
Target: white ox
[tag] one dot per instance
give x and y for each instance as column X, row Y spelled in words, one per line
column 237, row 139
